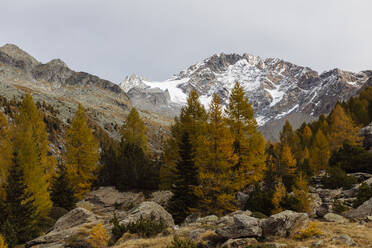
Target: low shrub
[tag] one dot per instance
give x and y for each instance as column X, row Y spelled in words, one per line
column 364, row 194
column 98, row 237
column 145, row 228
column 182, row 243
column 337, row 178
column 339, row 207
column 260, row 201
column 310, row 231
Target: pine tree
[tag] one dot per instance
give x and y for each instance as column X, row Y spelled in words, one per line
column 184, row 198
column 134, row 168
column 81, row 155
column 32, row 146
column 134, row 131
column 249, row 144
column 319, row 153
column 215, row 160
column 62, row 193
column 342, row 129
column 21, row 213
column 6, row 153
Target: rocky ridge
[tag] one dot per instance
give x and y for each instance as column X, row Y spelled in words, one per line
column 277, row 89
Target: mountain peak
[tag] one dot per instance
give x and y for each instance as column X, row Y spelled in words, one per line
column 17, row 53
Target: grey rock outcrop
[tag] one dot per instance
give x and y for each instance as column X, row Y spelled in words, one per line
column 331, row 217
column 284, row 224
column 148, row 210
column 244, row 226
column 362, row 211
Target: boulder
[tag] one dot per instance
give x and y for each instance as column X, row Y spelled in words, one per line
column 239, row 243
column 316, row 204
column 161, row 197
column 284, row 224
column 362, row 211
column 109, row 197
column 317, row 244
column 331, row 217
column 208, row 220
column 149, row 210
column 74, row 218
column 244, row 226
column 344, row 240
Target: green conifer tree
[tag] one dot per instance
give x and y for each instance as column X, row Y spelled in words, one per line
column 62, row 193
column 184, row 198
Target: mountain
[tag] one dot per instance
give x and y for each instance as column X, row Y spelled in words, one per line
column 278, row 90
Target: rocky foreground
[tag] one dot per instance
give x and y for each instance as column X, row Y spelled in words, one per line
column 238, row 229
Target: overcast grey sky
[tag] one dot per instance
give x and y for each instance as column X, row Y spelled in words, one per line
column 157, row 38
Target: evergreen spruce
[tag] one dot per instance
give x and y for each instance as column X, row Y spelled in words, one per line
column 62, row 193
column 19, row 223
column 184, row 198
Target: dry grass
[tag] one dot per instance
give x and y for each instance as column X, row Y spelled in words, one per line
column 361, row 234
column 157, row 242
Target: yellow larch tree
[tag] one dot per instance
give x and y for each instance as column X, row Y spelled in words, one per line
column 134, row 131
column 81, row 154
column 192, row 120
column 342, row 129
column 31, row 148
column 287, row 160
column 280, row 193
column 301, row 194
column 249, row 144
column 6, row 153
column 215, row 160
column 319, row 153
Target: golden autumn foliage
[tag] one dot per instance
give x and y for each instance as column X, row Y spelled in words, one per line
column 31, row 147
column 249, row 144
column 319, row 153
column 215, row 160
column 280, row 193
column 134, row 130
column 2, row 242
column 192, row 120
column 98, row 237
column 306, row 136
column 342, row 129
column 82, row 154
column 6, row 153
column 287, row 160
column 301, row 194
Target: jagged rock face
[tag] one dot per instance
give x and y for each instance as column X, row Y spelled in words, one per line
column 63, row 88
column 277, row 89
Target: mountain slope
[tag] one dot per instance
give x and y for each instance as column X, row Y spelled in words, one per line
column 277, row 89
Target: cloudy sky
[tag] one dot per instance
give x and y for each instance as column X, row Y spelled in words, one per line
column 157, row 38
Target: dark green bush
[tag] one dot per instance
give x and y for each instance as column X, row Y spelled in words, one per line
column 182, row 243
column 364, row 194
column 337, row 178
column 143, row 227
column 339, row 207
column 260, row 201
column 352, row 159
